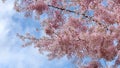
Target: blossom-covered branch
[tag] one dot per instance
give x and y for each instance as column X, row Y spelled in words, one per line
column 73, row 31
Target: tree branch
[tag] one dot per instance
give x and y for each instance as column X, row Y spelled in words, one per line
column 83, row 14
column 63, row 9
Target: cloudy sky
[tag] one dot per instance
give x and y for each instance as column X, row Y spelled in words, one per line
column 12, row 55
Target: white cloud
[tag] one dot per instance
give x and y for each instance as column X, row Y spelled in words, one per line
column 6, row 12
column 6, row 9
column 3, row 29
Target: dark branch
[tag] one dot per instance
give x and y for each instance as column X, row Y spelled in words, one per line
column 63, row 9
column 71, row 11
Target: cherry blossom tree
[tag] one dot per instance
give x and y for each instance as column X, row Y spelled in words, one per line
column 76, row 28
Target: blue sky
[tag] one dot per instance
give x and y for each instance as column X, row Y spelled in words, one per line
column 12, row 55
